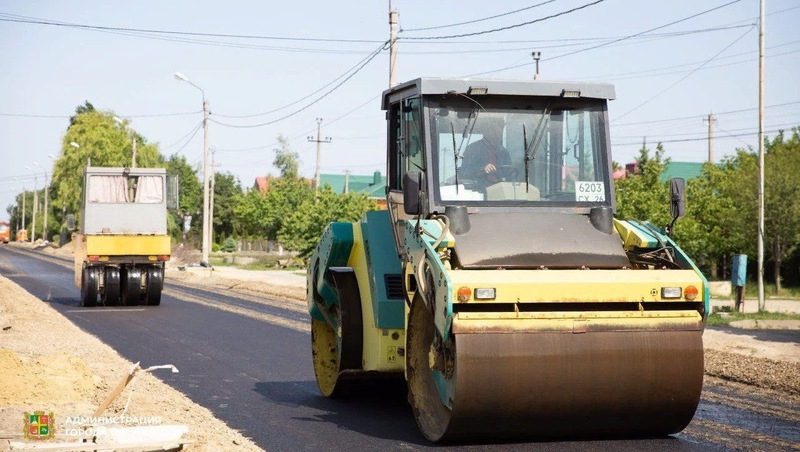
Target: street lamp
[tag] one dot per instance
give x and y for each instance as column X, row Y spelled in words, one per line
column 132, row 136
column 206, row 243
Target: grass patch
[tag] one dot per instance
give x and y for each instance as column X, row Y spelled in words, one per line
column 751, row 291
column 269, row 262
column 219, row 262
column 724, row 318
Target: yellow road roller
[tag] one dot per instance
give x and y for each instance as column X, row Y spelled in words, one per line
column 123, row 243
column 498, row 282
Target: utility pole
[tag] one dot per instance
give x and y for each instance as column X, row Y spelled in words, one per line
column 319, row 140
column 24, row 195
column 347, row 181
column 46, row 195
column 393, row 28
column 206, row 171
column 206, row 217
column 211, row 195
column 710, row 119
column 35, row 205
column 536, row 56
column 762, row 16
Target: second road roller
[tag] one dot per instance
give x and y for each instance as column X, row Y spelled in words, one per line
column 498, row 281
column 123, row 242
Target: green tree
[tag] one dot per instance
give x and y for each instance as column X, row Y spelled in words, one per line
column 782, row 199
column 643, row 196
column 302, row 229
column 286, row 160
column 227, row 191
column 80, row 109
column 100, row 140
column 264, row 214
column 190, row 194
column 706, row 233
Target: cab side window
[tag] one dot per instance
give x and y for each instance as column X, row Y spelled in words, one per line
column 406, row 140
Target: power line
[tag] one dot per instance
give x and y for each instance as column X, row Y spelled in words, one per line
column 567, row 42
column 650, row 99
column 614, row 41
column 191, row 131
column 352, row 68
column 154, row 34
column 194, row 134
column 734, row 136
column 685, row 140
column 741, row 110
column 139, row 116
column 508, row 27
column 571, row 42
column 436, row 27
column 658, row 70
column 35, row 21
column 624, row 38
column 306, row 132
column 324, row 95
column 738, row 129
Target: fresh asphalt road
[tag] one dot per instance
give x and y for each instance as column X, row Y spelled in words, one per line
column 248, row 360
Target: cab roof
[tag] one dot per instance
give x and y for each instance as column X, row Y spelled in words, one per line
column 119, row 170
column 549, row 88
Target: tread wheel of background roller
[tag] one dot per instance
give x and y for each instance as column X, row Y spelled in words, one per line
column 338, row 350
column 131, row 286
column 432, row 416
column 155, row 282
column 112, row 286
column 89, row 280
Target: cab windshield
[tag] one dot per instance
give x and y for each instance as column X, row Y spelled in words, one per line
column 491, row 151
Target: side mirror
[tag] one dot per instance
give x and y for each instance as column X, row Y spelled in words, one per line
column 172, row 192
column 677, row 197
column 677, row 200
column 413, row 185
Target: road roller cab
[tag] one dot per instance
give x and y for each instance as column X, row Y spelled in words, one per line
column 123, row 243
column 499, row 283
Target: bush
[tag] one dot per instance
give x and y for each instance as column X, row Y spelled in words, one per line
column 215, row 247
column 229, row 245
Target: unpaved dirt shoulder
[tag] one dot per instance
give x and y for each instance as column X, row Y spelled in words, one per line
column 278, row 284
column 47, row 363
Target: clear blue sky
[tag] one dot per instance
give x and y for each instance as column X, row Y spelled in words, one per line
column 49, row 70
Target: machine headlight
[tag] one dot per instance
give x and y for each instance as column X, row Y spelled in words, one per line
column 671, row 292
column 487, row 293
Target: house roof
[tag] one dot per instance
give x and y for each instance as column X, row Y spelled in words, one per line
column 374, row 185
column 686, row 170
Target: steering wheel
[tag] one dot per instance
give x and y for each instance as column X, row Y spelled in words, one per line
column 507, row 172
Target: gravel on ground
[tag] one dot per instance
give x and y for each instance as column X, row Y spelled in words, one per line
column 783, row 376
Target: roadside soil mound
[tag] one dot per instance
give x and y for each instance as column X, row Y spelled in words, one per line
column 47, row 363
